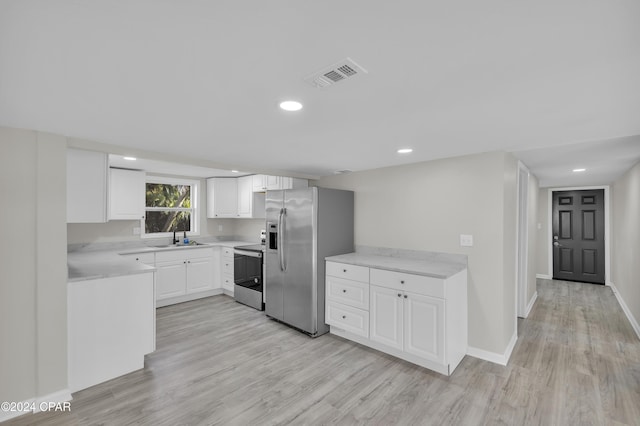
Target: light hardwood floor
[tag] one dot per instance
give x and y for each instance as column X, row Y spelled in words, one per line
column 576, row 362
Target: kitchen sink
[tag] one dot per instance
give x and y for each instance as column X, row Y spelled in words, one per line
column 193, row 244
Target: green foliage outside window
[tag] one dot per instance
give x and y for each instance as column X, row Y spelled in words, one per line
column 168, row 208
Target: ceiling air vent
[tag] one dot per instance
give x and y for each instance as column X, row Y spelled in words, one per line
column 335, row 73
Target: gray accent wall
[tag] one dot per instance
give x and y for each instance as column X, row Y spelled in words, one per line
column 426, row 206
column 33, row 276
column 625, row 239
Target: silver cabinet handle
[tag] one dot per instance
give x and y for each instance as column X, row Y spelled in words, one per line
column 402, row 282
column 405, row 296
column 344, row 270
column 344, row 317
column 344, row 291
column 399, row 295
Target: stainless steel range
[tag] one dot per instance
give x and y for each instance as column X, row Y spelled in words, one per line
column 247, row 265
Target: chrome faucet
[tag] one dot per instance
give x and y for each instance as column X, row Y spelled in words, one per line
column 175, row 240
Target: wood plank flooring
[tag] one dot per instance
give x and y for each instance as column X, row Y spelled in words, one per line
column 577, row 362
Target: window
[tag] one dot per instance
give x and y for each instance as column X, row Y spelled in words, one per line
column 170, row 206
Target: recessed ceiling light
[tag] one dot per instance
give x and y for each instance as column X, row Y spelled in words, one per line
column 129, row 158
column 291, row 105
column 405, row 151
column 234, row 171
column 579, row 170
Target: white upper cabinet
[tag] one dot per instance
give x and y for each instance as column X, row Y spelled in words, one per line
column 273, row 182
column 250, row 204
column 126, row 194
column 245, row 196
column 87, row 186
column 259, row 183
column 222, row 198
column 262, row 183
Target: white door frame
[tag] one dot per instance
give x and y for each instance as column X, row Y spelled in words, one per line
column 607, row 228
column 522, row 240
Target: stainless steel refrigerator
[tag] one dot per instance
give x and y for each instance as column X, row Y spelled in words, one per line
column 303, row 227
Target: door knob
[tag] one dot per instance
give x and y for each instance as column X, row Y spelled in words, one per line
column 556, row 244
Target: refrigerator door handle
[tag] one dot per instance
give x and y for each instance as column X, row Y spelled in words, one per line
column 281, row 237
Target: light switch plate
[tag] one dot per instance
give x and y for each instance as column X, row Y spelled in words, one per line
column 219, row 228
column 466, row 240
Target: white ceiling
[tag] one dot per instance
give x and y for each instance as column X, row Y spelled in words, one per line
column 203, row 79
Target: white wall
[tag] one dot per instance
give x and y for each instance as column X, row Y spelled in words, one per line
column 426, row 206
column 33, row 276
column 625, row 240
column 542, row 234
column 534, row 219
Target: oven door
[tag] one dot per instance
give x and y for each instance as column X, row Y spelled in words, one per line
column 247, row 267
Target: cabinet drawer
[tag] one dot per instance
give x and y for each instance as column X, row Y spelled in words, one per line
column 420, row 284
column 146, row 258
column 227, row 266
column 348, row 272
column 227, row 251
column 227, row 282
column 348, row 318
column 347, row 292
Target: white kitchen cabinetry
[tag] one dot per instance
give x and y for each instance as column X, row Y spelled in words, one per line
column 182, row 274
column 87, row 186
column 222, row 198
column 148, row 258
column 111, row 326
column 226, row 270
column 386, row 316
column 126, row 194
column 250, row 204
column 262, row 183
column 259, row 183
column 418, row 318
column 347, row 288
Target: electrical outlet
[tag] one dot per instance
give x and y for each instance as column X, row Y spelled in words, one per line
column 136, row 230
column 466, row 240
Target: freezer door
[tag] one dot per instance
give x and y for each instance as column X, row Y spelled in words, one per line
column 299, row 246
column 274, row 275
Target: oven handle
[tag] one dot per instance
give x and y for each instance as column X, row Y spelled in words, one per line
column 248, row 253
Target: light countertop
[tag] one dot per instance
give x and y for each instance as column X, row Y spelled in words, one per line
column 437, row 265
column 94, row 264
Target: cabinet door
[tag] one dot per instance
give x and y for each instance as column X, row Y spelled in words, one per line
column 424, row 326
column 126, row 194
column 199, row 274
column 386, row 316
column 273, row 182
column 170, row 279
column 87, row 180
column 222, row 198
column 259, row 183
column 245, row 196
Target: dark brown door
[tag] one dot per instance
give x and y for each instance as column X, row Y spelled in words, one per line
column 578, row 236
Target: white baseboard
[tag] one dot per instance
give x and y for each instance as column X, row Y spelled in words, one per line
column 496, row 358
column 63, row 395
column 544, row 276
column 625, row 308
column 531, row 303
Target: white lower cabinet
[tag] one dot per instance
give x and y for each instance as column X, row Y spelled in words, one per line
column 111, row 326
column 386, row 316
column 184, row 274
column 226, row 270
column 414, row 317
